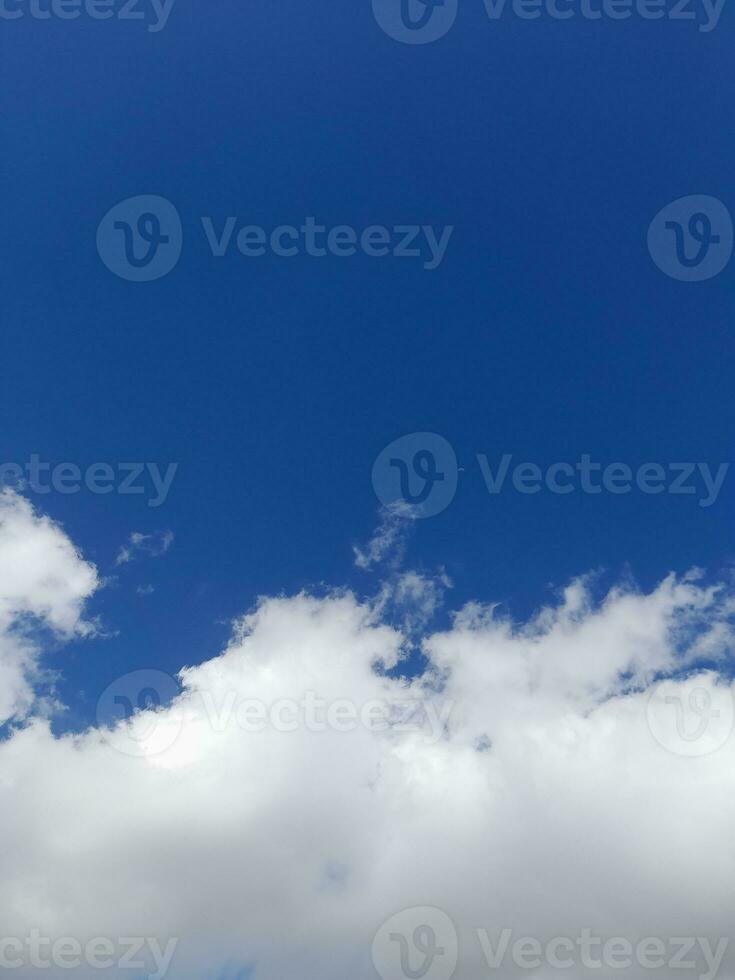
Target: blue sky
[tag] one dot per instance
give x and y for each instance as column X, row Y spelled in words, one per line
column 546, row 332
column 417, row 341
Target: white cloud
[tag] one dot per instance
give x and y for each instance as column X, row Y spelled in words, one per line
column 286, row 851
column 388, row 541
column 43, row 584
column 145, row 545
column 410, row 599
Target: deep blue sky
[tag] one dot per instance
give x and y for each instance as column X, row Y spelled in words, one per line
column 547, row 331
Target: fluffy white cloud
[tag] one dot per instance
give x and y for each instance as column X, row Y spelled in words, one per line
column 43, row 584
column 558, row 796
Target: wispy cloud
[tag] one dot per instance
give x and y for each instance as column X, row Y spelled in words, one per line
column 145, row 546
column 388, row 543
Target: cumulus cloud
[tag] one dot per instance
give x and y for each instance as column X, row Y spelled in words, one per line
column 410, row 599
column 43, row 586
column 544, row 789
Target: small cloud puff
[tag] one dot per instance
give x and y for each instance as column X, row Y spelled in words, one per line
column 145, row 545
